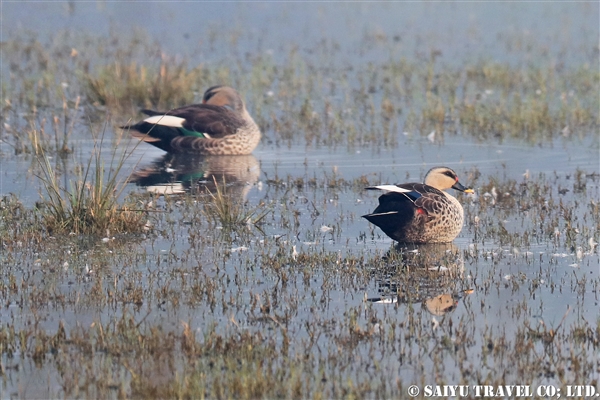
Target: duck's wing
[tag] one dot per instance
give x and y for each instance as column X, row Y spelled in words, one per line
column 189, row 128
column 424, row 197
column 198, row 120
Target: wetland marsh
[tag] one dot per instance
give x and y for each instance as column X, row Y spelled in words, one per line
column 255, row 276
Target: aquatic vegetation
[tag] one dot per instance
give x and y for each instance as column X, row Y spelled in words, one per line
column 38, row 138
column 264, row 286
column 203, row 316
column 19, row 224
column 296, row 102
column 129, row 86
column 229, row 210
column 90, row 204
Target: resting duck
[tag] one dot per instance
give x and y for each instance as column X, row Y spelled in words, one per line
column 220, row 125
column 421, row 212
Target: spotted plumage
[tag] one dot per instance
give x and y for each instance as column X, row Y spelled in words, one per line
column 421, row 212
column 221, row 125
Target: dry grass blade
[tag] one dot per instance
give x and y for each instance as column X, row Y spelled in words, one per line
column 90, row 204
column 228, row 211
column 122, row 84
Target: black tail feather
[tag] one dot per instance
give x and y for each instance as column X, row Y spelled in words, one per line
column 156, row 135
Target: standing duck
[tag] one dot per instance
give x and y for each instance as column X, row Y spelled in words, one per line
column 421, row 212
column 220, row 125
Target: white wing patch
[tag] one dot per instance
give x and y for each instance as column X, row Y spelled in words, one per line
column 166, row 120
column 385, row 213
column 389, row 188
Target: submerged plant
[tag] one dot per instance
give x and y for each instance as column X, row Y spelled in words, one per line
column 89, row 205
column 229, row 211
column 120, row 85
column 35, row 138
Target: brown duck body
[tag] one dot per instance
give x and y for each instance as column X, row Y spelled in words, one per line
column 421, row 212
column 221, row 125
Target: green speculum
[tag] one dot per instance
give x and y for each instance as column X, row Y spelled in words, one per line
column 187, row 132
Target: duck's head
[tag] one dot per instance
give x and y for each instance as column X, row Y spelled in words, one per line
column 224, row 96
column 443, row 178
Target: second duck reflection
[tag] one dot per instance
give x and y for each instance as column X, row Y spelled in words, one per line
column 179, row 173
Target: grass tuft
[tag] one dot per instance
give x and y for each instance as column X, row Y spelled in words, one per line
column 229, row 211
column 122, row 85
column 89, row 205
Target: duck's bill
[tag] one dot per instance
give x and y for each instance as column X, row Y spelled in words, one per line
column 459, row 186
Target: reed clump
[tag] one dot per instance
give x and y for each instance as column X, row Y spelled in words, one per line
column 123, row 85
column 228, row 211
column 88, row 204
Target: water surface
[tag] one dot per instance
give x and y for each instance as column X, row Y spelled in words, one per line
column 314, row 275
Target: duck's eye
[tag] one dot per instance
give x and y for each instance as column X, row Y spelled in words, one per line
column 450, row 174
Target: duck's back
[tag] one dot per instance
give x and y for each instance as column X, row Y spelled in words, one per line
column 424, row 214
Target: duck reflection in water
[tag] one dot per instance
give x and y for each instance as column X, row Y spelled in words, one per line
column 430, row 274
column 179, row 173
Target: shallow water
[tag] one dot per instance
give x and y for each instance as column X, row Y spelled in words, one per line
column 481, row 290
column 313, row 269
column 460, row 31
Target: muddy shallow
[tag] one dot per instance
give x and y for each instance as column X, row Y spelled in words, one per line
column 326, row 276
column 312, row 301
